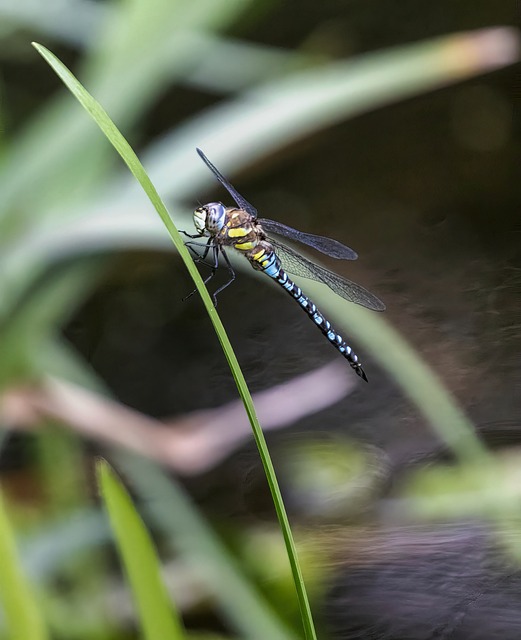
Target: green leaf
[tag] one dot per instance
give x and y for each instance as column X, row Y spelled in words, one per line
column 158, row 617
column 174, row 515
column 16, row 596
column 172, row 512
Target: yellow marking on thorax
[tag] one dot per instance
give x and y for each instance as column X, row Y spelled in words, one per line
column 238, row 232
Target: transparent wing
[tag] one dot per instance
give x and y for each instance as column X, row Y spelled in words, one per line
column 239, row 200
column 294, row 263
column 328, row 246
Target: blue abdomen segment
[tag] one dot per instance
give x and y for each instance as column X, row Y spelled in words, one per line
column 274, row 270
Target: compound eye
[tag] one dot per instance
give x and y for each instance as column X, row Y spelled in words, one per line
column 217, row 210
column 216, row 216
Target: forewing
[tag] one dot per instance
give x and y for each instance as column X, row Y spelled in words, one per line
column 239, row 200
column 328, row 246
column 296, row 264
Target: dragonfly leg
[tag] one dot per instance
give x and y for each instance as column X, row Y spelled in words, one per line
column 201, row 259
column 190, row 235
column 231, row 279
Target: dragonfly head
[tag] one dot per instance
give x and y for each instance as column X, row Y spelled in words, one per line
column 210, row 217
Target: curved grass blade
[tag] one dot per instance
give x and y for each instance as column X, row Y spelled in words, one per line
column 123, row 148
column 274, row 115
column 170, row 509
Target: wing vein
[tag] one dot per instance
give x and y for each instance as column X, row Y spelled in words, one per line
column 296, row 264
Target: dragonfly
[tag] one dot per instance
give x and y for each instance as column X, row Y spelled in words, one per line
column 240, row 228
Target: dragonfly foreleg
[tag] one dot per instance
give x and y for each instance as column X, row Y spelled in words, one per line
column 190, row 235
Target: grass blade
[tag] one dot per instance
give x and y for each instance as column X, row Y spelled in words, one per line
column 171, row 510
column 110, row 130
column 158, row 618
column 22, row 614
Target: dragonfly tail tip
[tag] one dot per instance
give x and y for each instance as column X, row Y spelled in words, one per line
column 361, row 373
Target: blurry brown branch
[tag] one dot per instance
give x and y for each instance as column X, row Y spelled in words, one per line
column 190, row 444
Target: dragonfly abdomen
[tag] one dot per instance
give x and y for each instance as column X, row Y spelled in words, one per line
column 324, row 325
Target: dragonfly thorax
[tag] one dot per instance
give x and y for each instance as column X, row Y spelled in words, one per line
column 210, row 217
